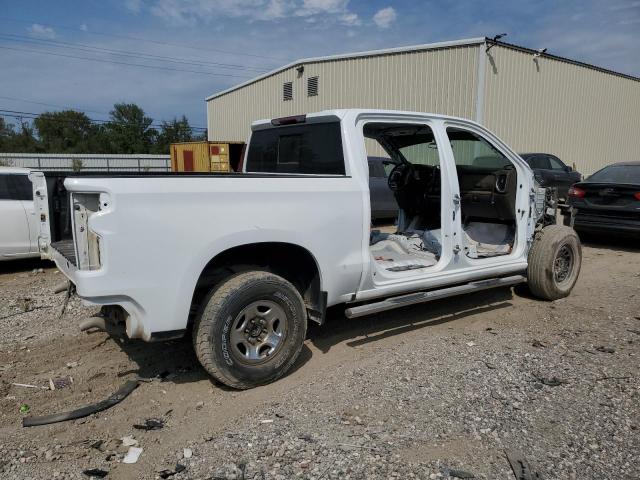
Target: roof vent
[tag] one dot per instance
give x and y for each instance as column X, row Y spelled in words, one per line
column 287, row 91
column 312, row 86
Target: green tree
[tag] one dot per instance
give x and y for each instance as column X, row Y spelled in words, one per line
column 129, row 130
column 22, row 141
column 173, row 131
column 67, row 131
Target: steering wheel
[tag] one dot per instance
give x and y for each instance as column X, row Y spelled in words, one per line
column 399, row 176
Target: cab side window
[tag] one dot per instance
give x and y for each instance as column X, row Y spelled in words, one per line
column 15, row 187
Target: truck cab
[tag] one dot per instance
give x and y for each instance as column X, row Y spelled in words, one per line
column 18, row 222
column 245, row 260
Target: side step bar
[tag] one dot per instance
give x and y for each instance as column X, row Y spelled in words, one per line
column 422, row 297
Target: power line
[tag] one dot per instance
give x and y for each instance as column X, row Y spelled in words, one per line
column 157, row 42
column 124, row 63
column 33, row 116
column 110, row 51
column 64, row 107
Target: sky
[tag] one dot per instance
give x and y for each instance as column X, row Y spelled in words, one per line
column 168, row 55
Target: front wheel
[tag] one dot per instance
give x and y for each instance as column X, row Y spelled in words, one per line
column 251, row 329
column 554, row 262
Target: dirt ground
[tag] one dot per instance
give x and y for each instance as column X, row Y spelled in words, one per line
column 440, row 390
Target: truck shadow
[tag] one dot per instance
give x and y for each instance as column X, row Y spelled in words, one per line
column 24, row 265
column 175, row 361
column 364, row 330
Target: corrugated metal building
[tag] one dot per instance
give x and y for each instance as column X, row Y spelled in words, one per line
column 586, row 115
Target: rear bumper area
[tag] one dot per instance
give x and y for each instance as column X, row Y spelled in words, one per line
column 602, row 223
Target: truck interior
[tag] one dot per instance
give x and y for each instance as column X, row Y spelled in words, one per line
column 487, row 183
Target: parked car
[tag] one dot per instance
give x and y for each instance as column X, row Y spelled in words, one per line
column 18, row 223
column 245, row 260
column 383, row 201
column 609, row 200
column 550, row 171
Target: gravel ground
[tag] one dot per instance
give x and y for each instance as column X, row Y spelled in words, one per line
column 440, row 390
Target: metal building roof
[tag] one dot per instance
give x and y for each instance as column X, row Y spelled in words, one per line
column 417, row 48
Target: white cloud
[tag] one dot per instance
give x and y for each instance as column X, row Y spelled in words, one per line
column 134, row 5
column 350, row 19
column 385, row 17
column 37, row 30
column 84, row 27
column 192, row 11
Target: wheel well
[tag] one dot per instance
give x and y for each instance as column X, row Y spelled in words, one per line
column 291, row 262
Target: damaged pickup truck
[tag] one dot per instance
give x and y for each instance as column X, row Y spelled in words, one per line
column 243, row 261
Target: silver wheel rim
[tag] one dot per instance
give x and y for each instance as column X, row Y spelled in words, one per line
column 563, row 264
column 258, row 331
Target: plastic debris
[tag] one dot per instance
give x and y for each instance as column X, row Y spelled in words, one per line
column 24, row 408
column 187, row 453
column 129, row 441
column 170, row 473
column 60, row 382
column 132, row 455
column 150, row 424
column 96, row 472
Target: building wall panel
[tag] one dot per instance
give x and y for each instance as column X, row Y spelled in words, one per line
column 438, row 81
column 582, row 115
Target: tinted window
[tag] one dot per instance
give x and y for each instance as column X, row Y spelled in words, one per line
column 539, row 161
column 472, row 150
column 308, row 149
column 15, row 187
column 376, row 168
column 556, row 164
column 617, row 174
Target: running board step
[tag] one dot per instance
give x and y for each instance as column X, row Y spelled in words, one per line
column 422, row 297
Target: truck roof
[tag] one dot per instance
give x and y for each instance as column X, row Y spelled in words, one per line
column 339, row 114
column 15, row 170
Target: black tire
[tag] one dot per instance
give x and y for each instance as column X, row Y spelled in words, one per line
column 226, row 307
column 554, row 262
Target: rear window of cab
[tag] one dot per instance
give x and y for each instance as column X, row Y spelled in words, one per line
column 312, row 149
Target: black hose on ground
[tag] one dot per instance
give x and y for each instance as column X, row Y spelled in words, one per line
column 114, row 399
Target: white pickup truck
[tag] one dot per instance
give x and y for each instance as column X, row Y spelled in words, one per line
column 243, row 261
column 18, row 223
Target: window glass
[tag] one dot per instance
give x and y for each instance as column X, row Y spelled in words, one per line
column 376, row 167
column 4, row 188
column 306, row 149
column 617, row 174
column 15, row 187
column 472, row 150
column 22, row 187
column 555, row 163
column 539, row 162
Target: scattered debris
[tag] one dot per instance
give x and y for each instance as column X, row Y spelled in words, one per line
column 132, row 455
column 27, row 311
column 24, row 408
column 538, row 344
column 129, row 441
column 72, row 364
column 604, row 349
column 114, row 399
column 170, row 473
column 637, row 332
column 187, row 453
column 551, row 381
column 150, row 424
column 520, row 466
column 268, row 420
column 60, row 382
column 96, row 472
column 27, row 385
column 471, row 344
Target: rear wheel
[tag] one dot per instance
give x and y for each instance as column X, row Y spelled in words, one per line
column 251, row 329
column 554, row 262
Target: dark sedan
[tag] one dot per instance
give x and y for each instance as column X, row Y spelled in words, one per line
column 609, row 200
column 550, row 171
